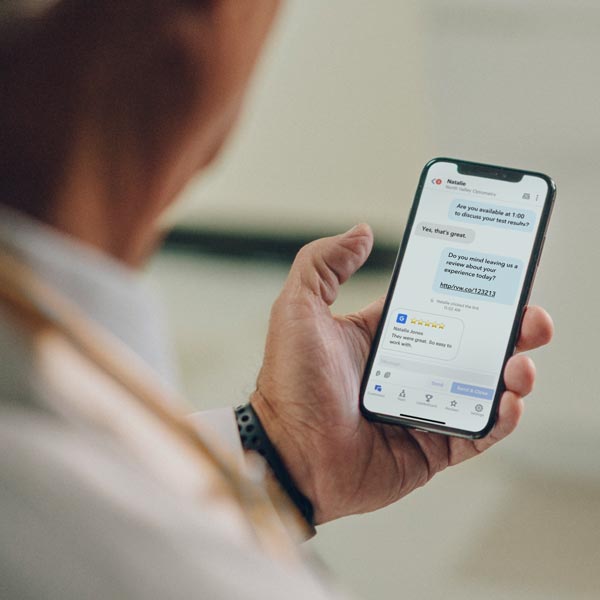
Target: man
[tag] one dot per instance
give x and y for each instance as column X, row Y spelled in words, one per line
column 108, row 110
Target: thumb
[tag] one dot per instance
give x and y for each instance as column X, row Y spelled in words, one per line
column 323, row 265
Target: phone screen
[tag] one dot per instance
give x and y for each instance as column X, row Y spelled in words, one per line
column 444, row 339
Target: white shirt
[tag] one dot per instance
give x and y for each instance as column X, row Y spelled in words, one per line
column 79, row 516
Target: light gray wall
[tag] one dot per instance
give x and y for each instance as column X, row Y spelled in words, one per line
column 352, row 98
column 334, row 131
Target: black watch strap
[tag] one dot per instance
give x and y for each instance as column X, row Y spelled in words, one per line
column 254, row 437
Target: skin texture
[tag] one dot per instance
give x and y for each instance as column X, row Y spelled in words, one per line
column 308, row 387
column 151, row 97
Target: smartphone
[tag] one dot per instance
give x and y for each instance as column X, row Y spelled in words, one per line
column 457, row 296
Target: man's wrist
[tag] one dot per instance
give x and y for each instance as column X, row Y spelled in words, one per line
column 254, row 437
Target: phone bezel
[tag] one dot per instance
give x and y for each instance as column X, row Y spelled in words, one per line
column 498, row 173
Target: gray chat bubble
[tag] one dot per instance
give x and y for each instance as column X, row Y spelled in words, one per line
column 445, row 232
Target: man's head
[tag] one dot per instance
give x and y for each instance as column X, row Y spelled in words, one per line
column 113, row 105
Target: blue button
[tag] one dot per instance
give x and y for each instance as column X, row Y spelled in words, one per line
column 473, row 391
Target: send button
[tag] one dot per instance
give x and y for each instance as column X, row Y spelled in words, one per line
column 473, row 391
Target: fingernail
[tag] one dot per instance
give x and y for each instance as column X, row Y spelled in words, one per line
column 352, row 230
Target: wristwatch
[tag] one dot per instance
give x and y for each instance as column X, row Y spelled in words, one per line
column 254, row 438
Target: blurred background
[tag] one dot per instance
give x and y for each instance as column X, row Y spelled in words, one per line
column 350, row 100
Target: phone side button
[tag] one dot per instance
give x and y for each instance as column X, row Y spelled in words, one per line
column 520, row 325
column 541, row 250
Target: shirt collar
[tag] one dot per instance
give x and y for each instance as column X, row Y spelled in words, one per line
column 108, row 292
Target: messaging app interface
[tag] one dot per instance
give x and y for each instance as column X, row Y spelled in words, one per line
column 443, row 343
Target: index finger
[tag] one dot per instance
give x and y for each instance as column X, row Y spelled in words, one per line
column 537, row 329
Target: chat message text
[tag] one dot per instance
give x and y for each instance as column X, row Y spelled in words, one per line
column 445, row 232
column 504, row 217
column 476, row 275
column 424, row 334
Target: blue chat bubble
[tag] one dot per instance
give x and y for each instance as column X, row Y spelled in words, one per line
column 493, row 215
column 478, row 276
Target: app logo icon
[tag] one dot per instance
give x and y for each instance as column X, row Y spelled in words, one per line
column 437, row 181
column 401, row 318
column 378, row 388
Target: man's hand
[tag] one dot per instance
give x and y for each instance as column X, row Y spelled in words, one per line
column 308, row 389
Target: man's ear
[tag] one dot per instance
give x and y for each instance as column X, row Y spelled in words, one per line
column 238, row 30
column 220, row 42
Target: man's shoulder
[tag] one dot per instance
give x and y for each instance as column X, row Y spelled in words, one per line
column 85, row 520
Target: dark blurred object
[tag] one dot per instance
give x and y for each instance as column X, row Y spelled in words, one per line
column 262, row 246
